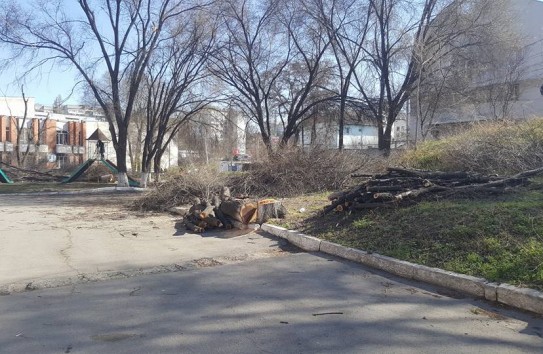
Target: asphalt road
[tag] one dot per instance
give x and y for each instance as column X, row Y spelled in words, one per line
column 265, row 300
column 46, row 241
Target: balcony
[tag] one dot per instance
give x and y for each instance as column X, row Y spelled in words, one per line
column 63, row 149
column 8, row 147
column 27, row 147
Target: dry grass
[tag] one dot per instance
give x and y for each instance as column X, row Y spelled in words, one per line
column 492, row 148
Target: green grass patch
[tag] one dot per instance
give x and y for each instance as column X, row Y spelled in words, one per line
column 498, row 238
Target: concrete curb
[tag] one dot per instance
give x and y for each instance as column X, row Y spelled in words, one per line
column 105, row 190
column 525, row 299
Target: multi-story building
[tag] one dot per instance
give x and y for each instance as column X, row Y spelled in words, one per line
column 56, row 142
column 503, row 82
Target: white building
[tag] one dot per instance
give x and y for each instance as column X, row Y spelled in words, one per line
column 525, row 85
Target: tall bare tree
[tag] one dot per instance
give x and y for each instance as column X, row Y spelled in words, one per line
column 346, row 23
column 303, row 84
column 115, row 36
column 251, row 56
column 175, row 87
column 477, row 69
column 407, row 39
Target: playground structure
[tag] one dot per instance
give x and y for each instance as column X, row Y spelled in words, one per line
column 4, row 178
column 80, row 170
column 97, row 149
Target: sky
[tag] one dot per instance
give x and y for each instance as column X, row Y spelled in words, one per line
column 45, row 87
column 48, row 83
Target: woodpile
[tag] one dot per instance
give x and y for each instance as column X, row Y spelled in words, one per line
column 401, row 186
column 228, row 212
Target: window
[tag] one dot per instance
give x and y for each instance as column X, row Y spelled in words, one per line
column 347, row 130
column 8, row 132
column 62, row 137
column 26, row 136
column 62, row 160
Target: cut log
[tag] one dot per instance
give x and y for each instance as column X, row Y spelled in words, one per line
column 232, row 208
column 383, row 196
column 225, row 193
column 192, row 227
column 269, row 209
column 381, row 189
column 212, row 221
column 207, row 212
column 363, row 206
column 216, row 201
column 219, row 215
column 239, row 210
column 336, row 195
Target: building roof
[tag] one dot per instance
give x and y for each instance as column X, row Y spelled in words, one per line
column 98, row 135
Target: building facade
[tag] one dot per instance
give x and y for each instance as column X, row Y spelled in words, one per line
column 505, row 84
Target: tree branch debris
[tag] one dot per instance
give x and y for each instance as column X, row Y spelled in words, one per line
column 401, row 186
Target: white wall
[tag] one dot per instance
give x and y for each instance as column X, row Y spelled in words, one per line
column 14, row 106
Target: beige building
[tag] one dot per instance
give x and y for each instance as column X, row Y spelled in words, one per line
column 496, row 92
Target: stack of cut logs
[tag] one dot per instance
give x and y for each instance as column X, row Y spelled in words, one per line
column 227, row 212
column 405, row 186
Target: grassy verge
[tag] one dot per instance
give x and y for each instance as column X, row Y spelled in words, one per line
column 48, row 187
column 498, row 238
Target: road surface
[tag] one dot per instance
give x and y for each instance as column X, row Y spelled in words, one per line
column 229, row 294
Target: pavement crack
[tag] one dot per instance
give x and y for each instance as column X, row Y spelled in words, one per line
column 64, row 252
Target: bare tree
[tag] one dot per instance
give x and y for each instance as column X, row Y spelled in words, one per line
column 346, row 23
column 57, row 104
column 406, row 40
column 479, row 66
column 303, row 83
column 174, row 88
column 24, row 135
column 118, row 36
column 251, row 56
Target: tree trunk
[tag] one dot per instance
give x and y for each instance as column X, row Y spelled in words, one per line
column 144, row 179
column 122, row 180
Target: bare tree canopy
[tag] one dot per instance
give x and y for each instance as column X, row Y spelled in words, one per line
column 175, row 86
column 115, row 36
column 251, row 55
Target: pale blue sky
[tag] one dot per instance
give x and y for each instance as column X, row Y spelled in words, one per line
column 48, row 83
column 45, row 87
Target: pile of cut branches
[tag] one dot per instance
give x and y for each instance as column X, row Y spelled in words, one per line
column 19, row 174
column 401, row 186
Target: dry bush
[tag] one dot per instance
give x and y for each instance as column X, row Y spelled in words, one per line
column 295, row 171
column 180, row 187
column 491, row 148
column 290, row 172
column 96, row 170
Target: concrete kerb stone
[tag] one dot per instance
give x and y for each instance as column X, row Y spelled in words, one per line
column 305, row 242
column 526, row 299
column 464, row 283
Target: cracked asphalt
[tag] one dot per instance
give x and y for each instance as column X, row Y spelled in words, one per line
column 81, row 274
column 48, row 241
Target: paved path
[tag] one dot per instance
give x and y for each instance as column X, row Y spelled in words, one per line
column 53, row 240
column 227, row 295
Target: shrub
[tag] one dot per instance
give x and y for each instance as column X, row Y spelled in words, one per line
column 489, row 148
